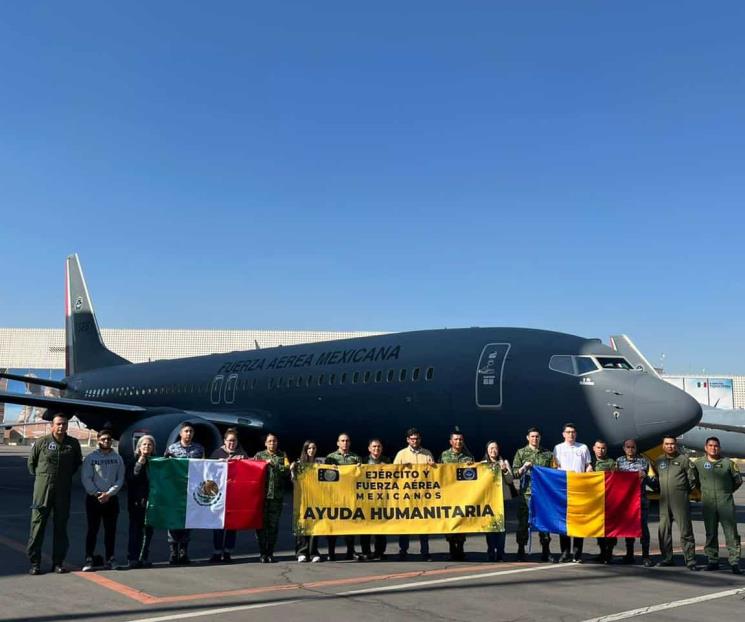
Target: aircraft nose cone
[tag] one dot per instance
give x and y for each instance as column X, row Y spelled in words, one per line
column 663, row 409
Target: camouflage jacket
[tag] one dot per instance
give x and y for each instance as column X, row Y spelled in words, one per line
column 450, row 456
column 276, row 475
column 538, row 457
column 339, row 458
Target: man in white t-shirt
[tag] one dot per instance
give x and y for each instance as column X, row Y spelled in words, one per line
column 575, row 457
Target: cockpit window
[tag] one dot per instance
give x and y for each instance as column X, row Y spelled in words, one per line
column 614, row 362
column 562, row 363
column 585, row 364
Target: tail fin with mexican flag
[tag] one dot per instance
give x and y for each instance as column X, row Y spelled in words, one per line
column 206, row 494
column 586, row 505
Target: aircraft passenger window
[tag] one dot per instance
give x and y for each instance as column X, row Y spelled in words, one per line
column 271, row 383
column 321, row 379
column 378, row 376
column 562, row 363
column 355, row 377
column 290, row 382
column 309, row 381
column 391, row 375
column 402, row 376
column 415, row 374
column 332, row 379
column 614, row 362
column 366, row 377
column 585, row 364
column 343, row 379
column 430, row 373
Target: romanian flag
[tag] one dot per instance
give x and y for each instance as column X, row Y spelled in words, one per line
column 603, row 504
column 206, row 494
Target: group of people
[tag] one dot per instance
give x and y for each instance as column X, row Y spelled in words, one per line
column 55, row 458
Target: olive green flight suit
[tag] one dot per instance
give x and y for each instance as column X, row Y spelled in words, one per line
column 276, row 475
column 456, row 541
column 718, row 481
column 52, row 464
column 677, row 478
column 339, row 458
column 538, row 457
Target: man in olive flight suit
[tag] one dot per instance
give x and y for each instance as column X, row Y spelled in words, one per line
column 276, row 475
column 719, row 478
column 53, row 461
column 343, row 455
column 677, row 478
column 457, row 454
column 525, row 458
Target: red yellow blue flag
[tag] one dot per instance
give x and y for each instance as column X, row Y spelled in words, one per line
column 586, row 505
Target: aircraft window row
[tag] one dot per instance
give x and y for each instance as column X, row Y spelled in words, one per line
column 572, row 365
column 138, row 391
column 579, row 365
column 357, row 377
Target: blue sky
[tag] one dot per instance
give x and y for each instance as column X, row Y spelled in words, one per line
column 575, row 166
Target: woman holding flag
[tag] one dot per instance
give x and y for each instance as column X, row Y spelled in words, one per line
column 495, row 540
column 223, row 540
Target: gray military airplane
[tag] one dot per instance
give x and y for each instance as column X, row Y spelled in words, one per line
column 727, row 425
column 493, row 383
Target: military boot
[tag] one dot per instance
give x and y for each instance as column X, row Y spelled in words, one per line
column 629, row 557
column 521, row 552
column 173, row 557
column 646, row 559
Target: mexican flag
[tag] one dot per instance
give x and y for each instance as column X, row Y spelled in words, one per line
column 206, row 494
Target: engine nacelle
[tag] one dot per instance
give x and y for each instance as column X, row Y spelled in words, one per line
column 165, row 429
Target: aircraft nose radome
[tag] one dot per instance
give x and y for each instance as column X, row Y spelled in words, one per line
column 664, row 409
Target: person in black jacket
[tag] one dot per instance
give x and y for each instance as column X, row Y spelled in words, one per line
column 223, row 540
column 138, row 486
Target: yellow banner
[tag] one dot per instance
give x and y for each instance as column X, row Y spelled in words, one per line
column 398, row 499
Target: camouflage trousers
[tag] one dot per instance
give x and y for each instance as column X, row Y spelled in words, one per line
column 267, row 535
column 523, row 515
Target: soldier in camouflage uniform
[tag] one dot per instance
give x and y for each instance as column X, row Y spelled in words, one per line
column 719, row 478
column 53, row 461
column 457, row 454
column 343, row 455
column 277, row 474
column 525, row 458
column 603, row 463
column 633, row 462
column 677, row 478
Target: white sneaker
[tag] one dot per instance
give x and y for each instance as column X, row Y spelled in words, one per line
column 315, row 559
column 88, row 566
column 301, row 559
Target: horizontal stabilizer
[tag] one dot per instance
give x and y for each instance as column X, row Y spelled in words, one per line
column 55, row 384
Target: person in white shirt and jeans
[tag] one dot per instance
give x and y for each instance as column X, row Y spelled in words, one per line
column 575, row 457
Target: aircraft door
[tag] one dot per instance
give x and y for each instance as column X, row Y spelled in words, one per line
column 216, row 389
column 489, row 375
column 230, row 388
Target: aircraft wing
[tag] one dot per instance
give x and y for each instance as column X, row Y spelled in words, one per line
column 725, row 427
column 68, row 405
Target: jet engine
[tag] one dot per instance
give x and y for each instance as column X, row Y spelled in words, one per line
column 165, row 429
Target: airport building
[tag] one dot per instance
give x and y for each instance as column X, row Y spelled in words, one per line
column 41, row 352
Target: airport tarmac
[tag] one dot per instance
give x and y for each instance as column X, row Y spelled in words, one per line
column 381, row 590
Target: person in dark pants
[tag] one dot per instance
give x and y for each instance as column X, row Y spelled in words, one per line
column 102, row 477
column 223, row 540
column 53, row 461
column 185, row 447
column 306, row 547
column 343, row 455
column 375, row 456
column 138, row 487
column 631, row 461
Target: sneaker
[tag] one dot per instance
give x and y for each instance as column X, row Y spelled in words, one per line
column 88, row 565
column 665, row 563
column 331, row 557
column 35, row 570
column 60, row 569
column 301, row 559
column 646, row 562
column 564, row 557
column 264, row 559
column 315, row 559
column 215, row 559
column 270, row 559
column 577, row 559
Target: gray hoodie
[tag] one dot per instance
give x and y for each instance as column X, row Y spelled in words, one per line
column 102, row 472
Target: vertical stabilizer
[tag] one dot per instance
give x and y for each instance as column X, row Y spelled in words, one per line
column 625, row 347
column 84, row 348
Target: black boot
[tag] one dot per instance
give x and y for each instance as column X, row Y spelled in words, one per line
column 546, row 553
column 453, row 550
column 646, row 559
column 173, row 557
column 183, row 554
column 629, row 557
column 521, row 552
